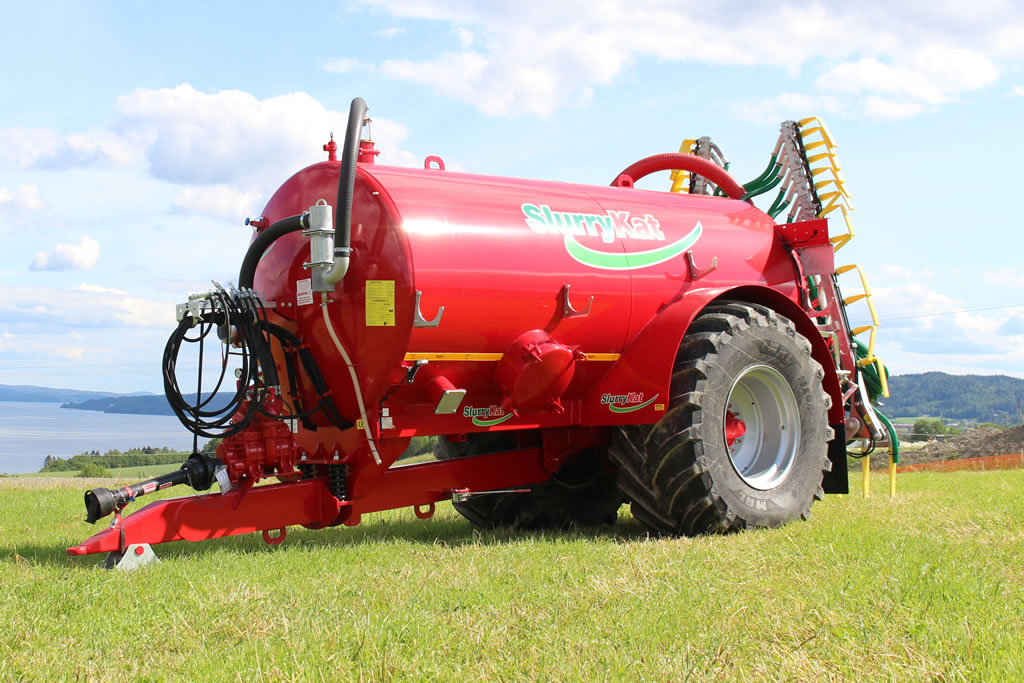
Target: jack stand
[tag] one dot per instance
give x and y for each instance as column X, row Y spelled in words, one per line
column 135, row 556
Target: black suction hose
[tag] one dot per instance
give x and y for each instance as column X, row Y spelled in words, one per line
column 247, row 273
column 347, row 178
column 343, row 204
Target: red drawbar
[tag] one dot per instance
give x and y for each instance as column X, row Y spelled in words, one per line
column 215, row 515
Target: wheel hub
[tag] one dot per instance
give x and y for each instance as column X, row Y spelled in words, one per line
column 761, row 427
column 734, row 428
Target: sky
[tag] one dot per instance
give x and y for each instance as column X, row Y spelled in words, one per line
column 135, row 138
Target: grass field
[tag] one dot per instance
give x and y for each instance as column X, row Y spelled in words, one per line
column 133, row 473
column 928, row 586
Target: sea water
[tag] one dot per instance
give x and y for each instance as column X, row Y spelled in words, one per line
column 31, row 431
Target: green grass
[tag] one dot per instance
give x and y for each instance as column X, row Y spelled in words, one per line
column 137, row 473
column 926, row 586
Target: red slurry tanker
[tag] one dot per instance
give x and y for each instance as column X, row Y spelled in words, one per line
column 572, row 347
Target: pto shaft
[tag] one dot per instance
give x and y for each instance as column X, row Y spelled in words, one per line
column 198, row 471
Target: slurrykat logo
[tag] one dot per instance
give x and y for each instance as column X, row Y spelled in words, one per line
column 628, row 402
column 609, row 225
column 486, row 417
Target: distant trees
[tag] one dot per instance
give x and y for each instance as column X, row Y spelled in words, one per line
column 90, row 469
column 929, row 426
column 956, row 397
column 147, row 455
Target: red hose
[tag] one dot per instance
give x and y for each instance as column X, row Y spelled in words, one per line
column 686, row 162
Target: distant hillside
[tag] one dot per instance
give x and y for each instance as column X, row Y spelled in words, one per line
column 936, row 394
column 34, row 394
column 140, row 405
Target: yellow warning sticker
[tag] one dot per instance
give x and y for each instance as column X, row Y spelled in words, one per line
column 659, row 406
column 380, row 303
column 360, row 424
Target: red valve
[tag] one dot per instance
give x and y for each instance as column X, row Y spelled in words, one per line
column 367, row 152
column 332, row 149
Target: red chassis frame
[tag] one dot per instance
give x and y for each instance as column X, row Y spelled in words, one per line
column 311, row 504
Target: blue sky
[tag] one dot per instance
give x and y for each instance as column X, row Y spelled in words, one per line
column 136, row 137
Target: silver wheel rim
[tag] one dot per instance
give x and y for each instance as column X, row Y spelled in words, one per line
column 762, row 400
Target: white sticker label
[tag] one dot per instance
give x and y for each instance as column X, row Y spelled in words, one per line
column 304, row 292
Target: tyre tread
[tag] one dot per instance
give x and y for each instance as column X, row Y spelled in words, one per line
column 662, row 468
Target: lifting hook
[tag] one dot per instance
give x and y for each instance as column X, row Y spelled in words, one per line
column 695, row 272
column 417, row 318
column 568, row 311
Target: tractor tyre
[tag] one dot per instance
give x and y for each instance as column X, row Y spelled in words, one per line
column 744, row 442
column 583, row 492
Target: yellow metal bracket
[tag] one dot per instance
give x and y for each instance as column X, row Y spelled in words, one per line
column 831, row 189
column 681, row 179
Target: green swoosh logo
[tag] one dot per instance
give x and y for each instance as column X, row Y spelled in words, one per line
column 490, row 423
column 628, row 261
column 623, row 409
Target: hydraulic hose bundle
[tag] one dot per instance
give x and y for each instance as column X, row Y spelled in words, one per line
column 241, row 322
column 238, row 317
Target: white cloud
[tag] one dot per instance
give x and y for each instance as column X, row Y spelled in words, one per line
column 533, row 56
column 924, row 78
column 1017, row 90
column 227, row 137
column 465, row 37
column 784, row 106
column 389, row 32
column 217, row 143
column 84, row 306
column 922, row 329
column 199, row 138
column 81, row 256
column 11, row 344
column 1009, row 40
column 343, row 66
column 218, row 201
column 71, row 352
column 99, row 289
column 190, row 137
column 45, row 149
column 885, row 108
column 25, row 197
column 1005, row 277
